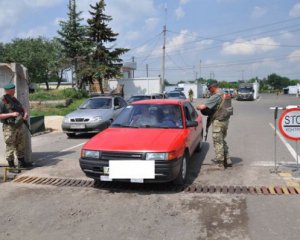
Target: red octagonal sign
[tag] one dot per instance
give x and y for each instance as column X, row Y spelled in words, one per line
column 289, row 124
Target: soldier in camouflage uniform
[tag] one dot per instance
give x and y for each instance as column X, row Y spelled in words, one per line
column 13, row 127
column 219, row 123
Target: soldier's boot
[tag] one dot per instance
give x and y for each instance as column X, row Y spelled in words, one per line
column 218, row 165
column 228, row 162
column 11, row 164
column 23, row 164
column 12, row 167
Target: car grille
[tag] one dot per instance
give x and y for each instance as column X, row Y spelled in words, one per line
column 79, row 119
column 121, row 155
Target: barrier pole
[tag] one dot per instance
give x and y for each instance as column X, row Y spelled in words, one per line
column 275, row 170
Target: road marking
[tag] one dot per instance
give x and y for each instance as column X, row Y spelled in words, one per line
column 67, row 149
column 288, row 146
column 271, row 163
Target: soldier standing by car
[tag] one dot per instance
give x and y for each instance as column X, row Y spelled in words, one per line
column 218, row 116
column 13, row 115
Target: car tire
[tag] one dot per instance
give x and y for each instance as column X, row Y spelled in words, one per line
column 199, row 147
column 183, row 173
column 70, row 135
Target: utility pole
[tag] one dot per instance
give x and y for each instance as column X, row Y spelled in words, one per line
column 147, row 70
column 133, row 70
column 162, row 74
column 163, row 60
column 200, row 69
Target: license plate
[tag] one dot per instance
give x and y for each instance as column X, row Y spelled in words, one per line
column 77, row 126
column 136, row 170
column 137, row 180
column 105, row 178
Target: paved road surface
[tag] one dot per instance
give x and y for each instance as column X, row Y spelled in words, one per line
column 46, row 212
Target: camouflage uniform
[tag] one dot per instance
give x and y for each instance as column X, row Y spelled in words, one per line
column 219, row 132
column 219, row 129
column 15, row 141
column 14, row 135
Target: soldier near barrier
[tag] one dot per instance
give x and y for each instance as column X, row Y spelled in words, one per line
column 218, row 110
column 13, row 116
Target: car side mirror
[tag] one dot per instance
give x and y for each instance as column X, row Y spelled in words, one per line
column 191, row 124
column 117, row 107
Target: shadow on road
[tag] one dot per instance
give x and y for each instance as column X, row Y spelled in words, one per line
column 42, row 159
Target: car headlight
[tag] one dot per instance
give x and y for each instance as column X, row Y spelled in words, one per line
column 96, row 119
column 66, row 120
column 161, row 156
column 90, row 154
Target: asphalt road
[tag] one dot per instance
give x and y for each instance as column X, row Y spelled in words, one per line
column 31, row 211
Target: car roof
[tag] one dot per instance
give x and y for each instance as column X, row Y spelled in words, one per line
column 161, row 101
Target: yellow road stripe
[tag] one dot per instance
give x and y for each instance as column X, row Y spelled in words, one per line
column 285, row 190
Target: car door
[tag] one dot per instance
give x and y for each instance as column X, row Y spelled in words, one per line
column 195, row 133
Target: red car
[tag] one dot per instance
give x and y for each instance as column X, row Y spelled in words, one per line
column 149, row 141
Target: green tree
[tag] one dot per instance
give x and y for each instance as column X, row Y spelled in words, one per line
column 277, row 82
column 72, row 37
column 36, row 54
column 104, row 62
column 2, row 50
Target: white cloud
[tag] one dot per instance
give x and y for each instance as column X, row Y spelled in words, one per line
column 132, row 35
column 179, row 13
column 295, row 11
column 266, row 63
column 151, row 23
column 34, row 32
column 204, row 44
column 286, row 35
column 9, row 14
column 244, row 47
column 258, row 12
column 294, row 56
column 178, row 41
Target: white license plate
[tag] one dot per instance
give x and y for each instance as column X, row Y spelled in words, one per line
column 137, row 180
column 105, row 178
column 136, row 170
column 77, row 126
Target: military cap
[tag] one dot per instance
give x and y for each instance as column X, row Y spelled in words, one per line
column 209, row 85
column 9, row 86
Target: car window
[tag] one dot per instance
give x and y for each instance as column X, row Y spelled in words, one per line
column 150, row 116
column 191, row 111
column 97, row 103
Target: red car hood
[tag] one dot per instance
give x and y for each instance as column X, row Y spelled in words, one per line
column 137, row 139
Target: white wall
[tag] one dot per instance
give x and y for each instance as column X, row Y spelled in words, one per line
column 137, row 86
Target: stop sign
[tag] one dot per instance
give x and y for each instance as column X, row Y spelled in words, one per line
column 289, row 124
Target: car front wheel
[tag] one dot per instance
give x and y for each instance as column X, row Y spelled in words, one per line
column 183, row 173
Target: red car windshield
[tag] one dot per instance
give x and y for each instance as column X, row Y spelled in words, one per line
column 150, row 116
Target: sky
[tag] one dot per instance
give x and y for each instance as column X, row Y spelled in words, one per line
column 227, row 40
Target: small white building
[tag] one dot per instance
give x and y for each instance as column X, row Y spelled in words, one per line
column 293, row 89
column 134, row 86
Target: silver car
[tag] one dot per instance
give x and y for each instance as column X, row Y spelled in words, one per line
column 94, row 115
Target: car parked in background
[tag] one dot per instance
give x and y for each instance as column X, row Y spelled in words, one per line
column 175, row 95
column 135, row 98
column 161, row 136
column 94, row 115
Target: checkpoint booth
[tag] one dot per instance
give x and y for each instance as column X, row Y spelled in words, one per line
column 17, row 74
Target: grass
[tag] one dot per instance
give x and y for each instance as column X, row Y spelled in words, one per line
column 43, row 95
